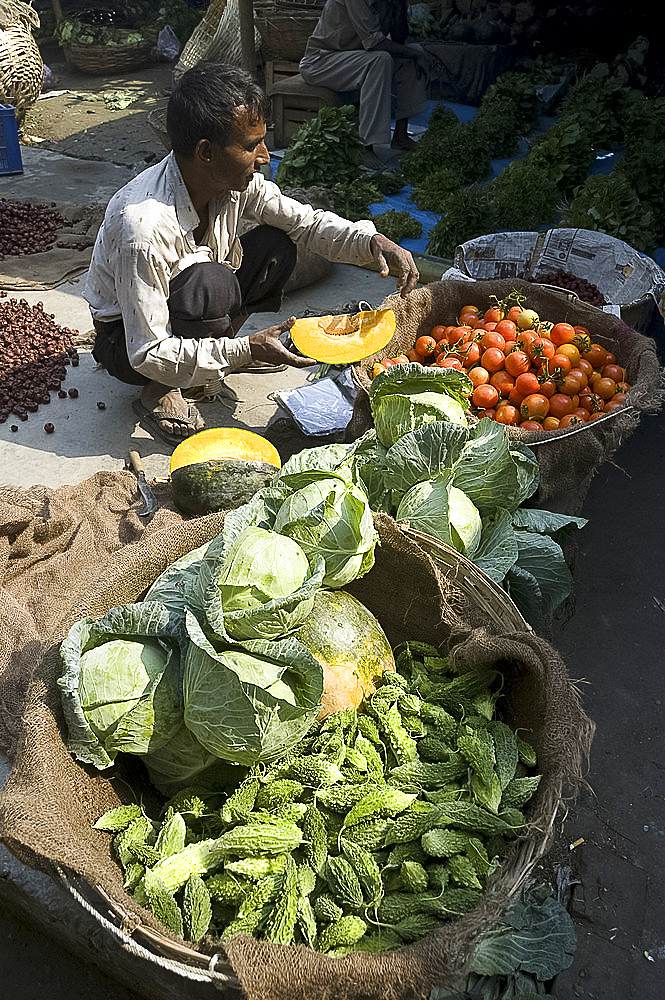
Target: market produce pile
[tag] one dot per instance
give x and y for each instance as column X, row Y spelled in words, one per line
column 524, row 370
column 379, row 825
column 321, row 787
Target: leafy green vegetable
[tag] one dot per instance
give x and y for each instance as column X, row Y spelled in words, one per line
column 254, row 584
column 251, row 703
column 329, row 516
column 517, row 547
column 440, row 509
column 404, row 397
column 121, row 688
column 260, row 566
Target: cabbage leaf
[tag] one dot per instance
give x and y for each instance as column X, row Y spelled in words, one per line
column 249, row 703
column 121, row 683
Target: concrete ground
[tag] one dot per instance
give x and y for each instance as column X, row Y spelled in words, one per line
column 613, row 643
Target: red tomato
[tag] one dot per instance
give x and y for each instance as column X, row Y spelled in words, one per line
column 502, row 381
column 535, row 406
column 526, row 337
column 569, row 384
column 591, row 402
column 527, row 382
column 507, row 328
column 511, row 346
column 570, row 420
column 581, row 376
column 540, row 349
column 596, row 355
column 561, row 404
column 605, row 388
column 493, row 314
column 548, row 387
column 615, row 372
column 562, row 333
column 493, row 359
column 413, row 355
column 517, row 363
column 469, row 353
column 450, row 362
column 531, row 425
column 425, row 346
column 559, row 365
column 582, row 340
column 479, row 375
column 571, row 352
column 484, row 397
column 457, row 333
column 492, row 339
column 438, row 333
column 507, row 414
column 550, row 423
column 514, row 312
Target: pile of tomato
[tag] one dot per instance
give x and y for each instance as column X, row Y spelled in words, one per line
column 525, row 371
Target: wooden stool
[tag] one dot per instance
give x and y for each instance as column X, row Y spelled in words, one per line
column 295, row 102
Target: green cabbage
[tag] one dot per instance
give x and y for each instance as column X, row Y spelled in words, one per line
column 405, row 397
column 121, row 685
column 330, row 516
column 259, row 567
column 439, row 509
column 251, row 703
column 183, row 762
column 256, row 584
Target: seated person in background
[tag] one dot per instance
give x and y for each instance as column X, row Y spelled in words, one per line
column 171, row 282
column 359, row 45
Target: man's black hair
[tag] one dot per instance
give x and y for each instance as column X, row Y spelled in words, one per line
column 204, row 102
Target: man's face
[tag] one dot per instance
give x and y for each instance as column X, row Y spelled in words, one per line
column 234, row 164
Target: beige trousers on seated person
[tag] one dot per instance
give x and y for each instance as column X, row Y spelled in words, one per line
column 377, row 76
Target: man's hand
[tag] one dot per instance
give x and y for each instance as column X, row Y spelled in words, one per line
column 386, row 253
column 265, row 345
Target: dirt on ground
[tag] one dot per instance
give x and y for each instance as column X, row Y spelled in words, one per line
column 110, row 118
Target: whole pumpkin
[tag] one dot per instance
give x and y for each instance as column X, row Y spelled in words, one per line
column 349, row 643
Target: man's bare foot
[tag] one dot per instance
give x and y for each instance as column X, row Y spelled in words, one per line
column 166, row 412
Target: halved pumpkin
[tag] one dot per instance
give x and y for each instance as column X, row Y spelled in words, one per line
column 220, row 468
column 349, row 643
column 343, row 339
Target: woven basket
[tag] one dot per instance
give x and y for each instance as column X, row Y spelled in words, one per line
column 21, row 66
column 100, row 59
column 490, row 603
column 285, row 37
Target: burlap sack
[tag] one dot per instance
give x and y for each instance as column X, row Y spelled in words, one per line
column 79, row 551
column 568, row 459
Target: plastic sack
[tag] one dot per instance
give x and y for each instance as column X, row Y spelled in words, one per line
column 168, row 44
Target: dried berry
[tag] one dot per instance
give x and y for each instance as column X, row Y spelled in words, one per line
column 49, row 428
column 101, row 405
column 62, row 394
column 73, row 393
column 14, row 427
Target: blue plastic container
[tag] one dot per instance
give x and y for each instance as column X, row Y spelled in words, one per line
column 10, row 151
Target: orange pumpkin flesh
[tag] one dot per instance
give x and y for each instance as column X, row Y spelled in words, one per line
column 216, row 443
column 341, row 340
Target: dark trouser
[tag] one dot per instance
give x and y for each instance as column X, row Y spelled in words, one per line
column 206, row 297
